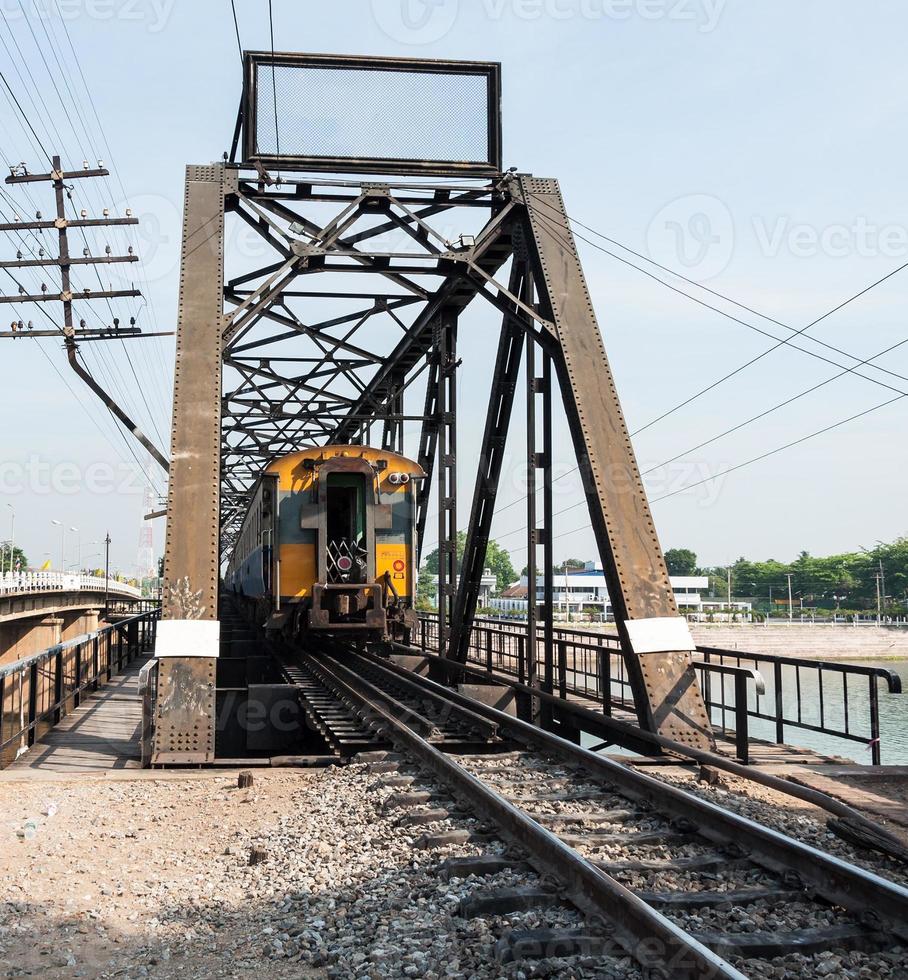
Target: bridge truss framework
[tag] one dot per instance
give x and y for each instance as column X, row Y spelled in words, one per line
column 339, row 306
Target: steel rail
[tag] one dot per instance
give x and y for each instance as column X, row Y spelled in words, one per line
column 478, row 723
column 837, row 881
column 642, row 932
column 637, row 738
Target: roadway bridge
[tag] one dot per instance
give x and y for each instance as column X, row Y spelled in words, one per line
column 39, row 610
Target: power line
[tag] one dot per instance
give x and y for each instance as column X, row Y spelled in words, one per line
column 25, row 117
column 795, row 331
column 769, row 411
column 789, row 445
column 277, row 134
column 748, row 462
column 236, row 25
column 726, row 297
column 780, row 342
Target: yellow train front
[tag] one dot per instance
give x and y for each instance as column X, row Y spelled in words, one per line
column 328, row 544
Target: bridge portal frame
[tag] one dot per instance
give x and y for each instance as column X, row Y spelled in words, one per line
column 224, row 434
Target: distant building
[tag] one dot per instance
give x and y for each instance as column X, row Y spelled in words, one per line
column 585, row 591
column 487, row 585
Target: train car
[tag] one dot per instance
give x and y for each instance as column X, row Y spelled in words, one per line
column 328, row 544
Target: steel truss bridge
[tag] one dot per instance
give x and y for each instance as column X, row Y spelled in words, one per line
column 328, row 265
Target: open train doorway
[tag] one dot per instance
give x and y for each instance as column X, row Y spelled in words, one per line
column 345, row 519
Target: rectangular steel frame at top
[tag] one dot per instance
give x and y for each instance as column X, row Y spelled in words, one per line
column 490, row 70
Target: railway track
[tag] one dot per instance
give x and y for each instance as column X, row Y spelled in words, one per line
column 666, row 875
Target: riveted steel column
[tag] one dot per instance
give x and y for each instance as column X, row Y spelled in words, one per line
column 185, row 715
column 446, row 406
column 666, row 691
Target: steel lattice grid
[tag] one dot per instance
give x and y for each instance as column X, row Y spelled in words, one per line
column 293, row 373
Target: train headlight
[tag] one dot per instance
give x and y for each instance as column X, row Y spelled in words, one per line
column 399, row 566
column 344, row 563
column 398, row 479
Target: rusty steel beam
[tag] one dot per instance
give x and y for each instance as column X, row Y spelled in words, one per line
column 185, row 715
column 655, row 639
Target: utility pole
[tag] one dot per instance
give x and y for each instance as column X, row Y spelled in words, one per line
column 64, row 263
column 729, row 590
column 879, row 609
column 12, row 537
column 790, row 601
column 107, row 575
column 882, row 582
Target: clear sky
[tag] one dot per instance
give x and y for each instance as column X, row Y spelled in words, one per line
column 756, row 148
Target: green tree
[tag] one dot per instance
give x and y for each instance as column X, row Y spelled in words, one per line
column 426, row 600
column 19, row 560
column 498, row 561
column 681, row 561
column 569, row 564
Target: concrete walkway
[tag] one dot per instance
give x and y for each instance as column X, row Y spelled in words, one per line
column 101, row 735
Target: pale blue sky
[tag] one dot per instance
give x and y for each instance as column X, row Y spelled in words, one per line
column 761, row 145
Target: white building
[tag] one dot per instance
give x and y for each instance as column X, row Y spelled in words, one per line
column 585, row 591
column 487, row 585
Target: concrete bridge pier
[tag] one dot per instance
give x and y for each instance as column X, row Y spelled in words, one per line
column 24, row 637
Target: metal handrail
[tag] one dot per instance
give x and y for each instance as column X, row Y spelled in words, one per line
column 593, row 666
column 23, row 583
column 41, row 689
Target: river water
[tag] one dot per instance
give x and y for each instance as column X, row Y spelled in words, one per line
column 893, row 716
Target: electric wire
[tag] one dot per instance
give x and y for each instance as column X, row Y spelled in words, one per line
column 151, row 415
column 236, row 25
column 32, row 130
column 277, row 133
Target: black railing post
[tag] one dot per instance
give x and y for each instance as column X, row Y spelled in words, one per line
column 96, row 662
column 119, row 648
column 77, row 691
column 742, row 741
column 605, row 678
column 521, row 659
column 489, row 650
column 562, row 668
column 132, row 640
column 58, row 686
column 32, row 703
column 875, row 748
column 780, row 723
